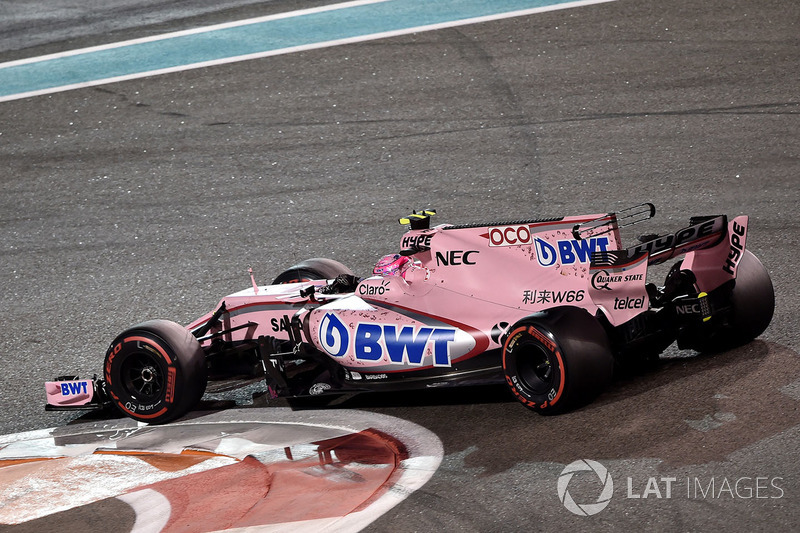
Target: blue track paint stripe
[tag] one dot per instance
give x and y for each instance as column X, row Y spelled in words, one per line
column 254, row 38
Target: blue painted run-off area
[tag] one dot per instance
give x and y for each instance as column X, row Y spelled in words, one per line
column 302, row 29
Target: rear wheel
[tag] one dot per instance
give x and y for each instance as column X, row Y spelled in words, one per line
column 155, row 372
column 557, row 360
column 312, row 269
column 751, row 306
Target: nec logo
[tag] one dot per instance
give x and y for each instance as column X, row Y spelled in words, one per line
column 456, row 257
column 404, row 345
column 689, row 309
column 569, row 252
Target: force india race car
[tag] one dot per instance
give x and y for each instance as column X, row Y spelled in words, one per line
column 549, row 307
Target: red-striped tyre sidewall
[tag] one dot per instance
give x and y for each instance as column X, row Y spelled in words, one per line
column 557, row 360
column 155, row 372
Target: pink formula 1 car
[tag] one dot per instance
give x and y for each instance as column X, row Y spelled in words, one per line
column 547, row 306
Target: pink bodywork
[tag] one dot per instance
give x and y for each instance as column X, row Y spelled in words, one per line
column 463, row 288
column 69, row 393
column 715, row 265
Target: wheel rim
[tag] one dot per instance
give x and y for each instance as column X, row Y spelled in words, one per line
column 535, row 368
column 142, row 377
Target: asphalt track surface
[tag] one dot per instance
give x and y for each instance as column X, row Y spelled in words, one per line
column 151, row 198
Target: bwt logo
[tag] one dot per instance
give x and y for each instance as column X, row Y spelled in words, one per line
column 404, row 345
column 568, row 252
column 73, row 388
column 585, row 509
column 334, row 336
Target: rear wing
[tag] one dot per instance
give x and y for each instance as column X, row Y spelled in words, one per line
column 718, row 264
column 712, row 247
column 702, row 232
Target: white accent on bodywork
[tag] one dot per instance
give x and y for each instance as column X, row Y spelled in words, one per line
column 349, row 303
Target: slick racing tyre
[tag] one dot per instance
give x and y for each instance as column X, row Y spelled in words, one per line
column 752, row 304
column 155, row 372
column 312, row 269
column 557, row 360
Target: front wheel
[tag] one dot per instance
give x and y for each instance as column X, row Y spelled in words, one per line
column 557, row 360
column 155, row 372
column 312, row 269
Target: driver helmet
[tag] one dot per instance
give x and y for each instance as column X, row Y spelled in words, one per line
column 392, row 265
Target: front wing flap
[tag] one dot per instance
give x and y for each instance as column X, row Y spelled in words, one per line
column 68, row 393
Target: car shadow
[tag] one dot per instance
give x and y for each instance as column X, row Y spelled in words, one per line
column 686, row 409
